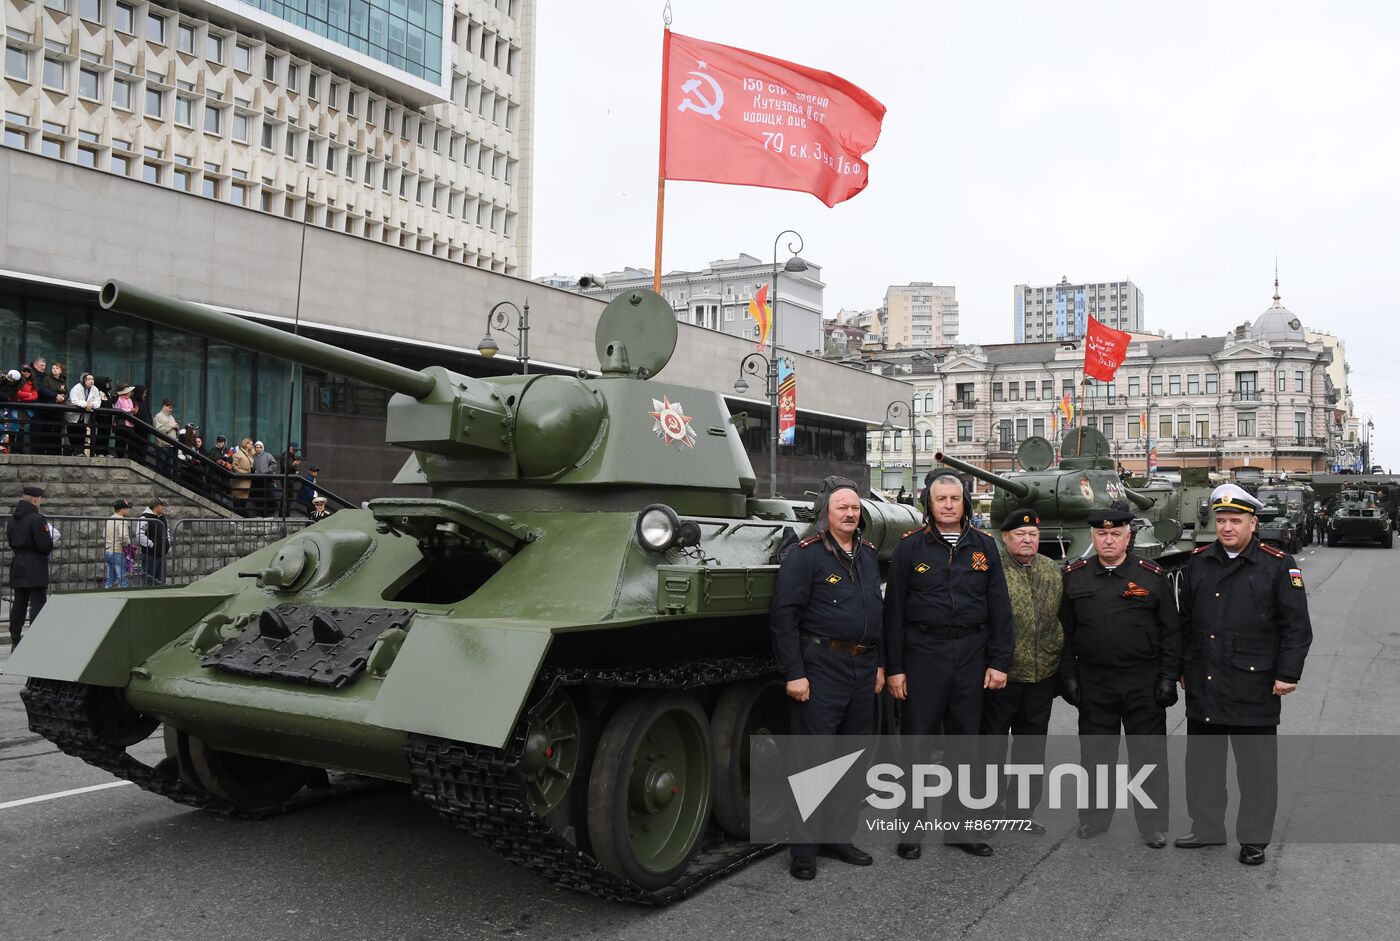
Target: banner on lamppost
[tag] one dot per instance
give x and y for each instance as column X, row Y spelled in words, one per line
column 787, row 403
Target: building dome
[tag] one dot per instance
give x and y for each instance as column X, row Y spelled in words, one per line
column 1278, row 322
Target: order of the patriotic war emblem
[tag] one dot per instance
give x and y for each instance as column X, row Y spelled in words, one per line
column 671, row 423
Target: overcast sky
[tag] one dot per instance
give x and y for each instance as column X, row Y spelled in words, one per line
column 1180, row 145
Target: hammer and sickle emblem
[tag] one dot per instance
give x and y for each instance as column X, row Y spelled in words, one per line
column 702, row 104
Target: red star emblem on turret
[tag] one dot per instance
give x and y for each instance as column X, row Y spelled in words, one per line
column 672, row 423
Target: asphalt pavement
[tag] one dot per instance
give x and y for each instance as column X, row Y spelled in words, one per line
column 117, row 862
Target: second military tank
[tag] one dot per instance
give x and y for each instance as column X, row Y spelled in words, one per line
column 1064, row 492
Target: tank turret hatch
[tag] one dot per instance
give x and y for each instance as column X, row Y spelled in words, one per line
column 636, row 335
column 1084, row 448
column 1035, row 454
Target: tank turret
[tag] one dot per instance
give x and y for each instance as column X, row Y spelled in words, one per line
column 1064, row 493
column 517, row 434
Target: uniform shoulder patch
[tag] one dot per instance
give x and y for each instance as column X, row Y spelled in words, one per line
column 1274, row 551
column 1152, row 567
column 1199, row 549
column 809, row 540
column 916, row 529
column 867, row 543
column 1076, row 565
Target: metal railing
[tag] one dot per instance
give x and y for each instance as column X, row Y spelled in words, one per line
column 194, row 547
column 31, row 428
column 1246, row 395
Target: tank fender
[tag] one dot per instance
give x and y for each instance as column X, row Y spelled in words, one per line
column 98, row 638
column 464, row 680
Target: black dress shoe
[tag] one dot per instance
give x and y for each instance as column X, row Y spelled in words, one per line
column 1036, row 828
column 803, row 867
column 1155, row 839
column 1087, row 831
column 1251, row 854
column 910, row 850
column 1192, row 842
column 974, row 849
column 846, row 853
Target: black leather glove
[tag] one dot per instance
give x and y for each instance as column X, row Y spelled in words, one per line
column 1070, row 689
column 1166, row 692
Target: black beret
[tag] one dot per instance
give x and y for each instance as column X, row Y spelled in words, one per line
column 1115, row 514
column 1018, row 519
column 121, row 505
column 32, row 491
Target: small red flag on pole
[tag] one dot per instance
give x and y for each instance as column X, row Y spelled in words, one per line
column 1104, row 350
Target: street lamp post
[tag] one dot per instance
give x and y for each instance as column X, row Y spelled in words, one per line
column 1366, row 442
column 498, row 319
column 794, row 265
column 903, row 410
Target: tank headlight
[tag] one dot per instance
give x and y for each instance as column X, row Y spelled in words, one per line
column 657, row 527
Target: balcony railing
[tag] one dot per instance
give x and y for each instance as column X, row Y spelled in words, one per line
column 1246, row 395
column 963, row 403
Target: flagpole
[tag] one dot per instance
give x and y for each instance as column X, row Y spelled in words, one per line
column 661, row 154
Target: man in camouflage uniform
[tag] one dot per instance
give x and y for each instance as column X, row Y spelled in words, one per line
column 1022, row 707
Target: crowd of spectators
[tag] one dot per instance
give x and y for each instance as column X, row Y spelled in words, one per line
column 41, row 413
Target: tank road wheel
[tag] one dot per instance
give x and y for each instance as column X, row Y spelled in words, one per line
column 751, row 712
column 248, row 782
column 649, row 792
column 551, row 752
column 177, row 758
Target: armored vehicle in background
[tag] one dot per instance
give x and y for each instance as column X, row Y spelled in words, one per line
column 1358, row 514
column 564, row 649
column 1063, row 494
column 1278, row 526
column 1296, row 503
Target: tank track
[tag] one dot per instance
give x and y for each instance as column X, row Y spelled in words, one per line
column 479, row 790
column 58, row 710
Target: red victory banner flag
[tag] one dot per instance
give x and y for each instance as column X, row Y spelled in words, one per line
column 729, row 115
column 762, row 314
column 1104, row 350
column 734, row 116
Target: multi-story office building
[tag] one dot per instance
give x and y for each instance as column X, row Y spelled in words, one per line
column 406, row 122
column 1260, row 396
column 919, row 315
column 1061, row 311
column 717, row 297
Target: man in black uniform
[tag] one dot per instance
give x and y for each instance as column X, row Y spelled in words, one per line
column 1247, row 634
column 826, row 638
column 31, row 541
column 1121, row 659
column 948, row 633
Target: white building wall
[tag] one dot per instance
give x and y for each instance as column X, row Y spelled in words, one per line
column 275, row 123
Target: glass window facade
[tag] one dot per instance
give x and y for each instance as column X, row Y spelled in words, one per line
column 406, row 34
column 221, row 389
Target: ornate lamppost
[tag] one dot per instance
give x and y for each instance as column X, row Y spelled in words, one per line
column 498, row 319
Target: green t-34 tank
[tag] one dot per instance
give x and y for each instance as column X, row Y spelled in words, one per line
column 564, row 649
column 1064, row 494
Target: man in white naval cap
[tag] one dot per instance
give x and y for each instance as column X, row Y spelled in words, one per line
column 1244, row 616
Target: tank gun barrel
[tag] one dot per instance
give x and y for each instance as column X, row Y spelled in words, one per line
column 194, row 318
column 1014, row 487
column 1139, row 500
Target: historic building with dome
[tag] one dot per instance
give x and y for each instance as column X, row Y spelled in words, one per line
column 1269, row 394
